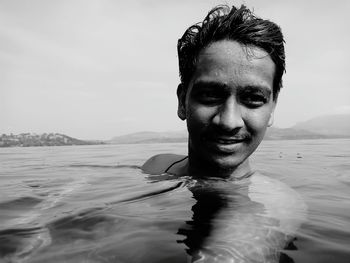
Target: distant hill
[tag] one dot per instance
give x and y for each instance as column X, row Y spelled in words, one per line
column 274, row 133
column 45, row 139
column 324, row 127
column 331, row 125
column 150, row 137
column 181, row 136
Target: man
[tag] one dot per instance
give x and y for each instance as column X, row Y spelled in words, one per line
column 231, row 68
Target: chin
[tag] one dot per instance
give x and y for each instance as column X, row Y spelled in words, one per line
column 226, row 163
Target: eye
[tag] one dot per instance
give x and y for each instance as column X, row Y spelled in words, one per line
column 209, row 96
column 254, row 100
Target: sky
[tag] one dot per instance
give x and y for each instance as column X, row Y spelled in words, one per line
column 94, row 69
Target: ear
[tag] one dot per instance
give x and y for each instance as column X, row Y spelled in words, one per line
column 181, row 97
column 272, row 114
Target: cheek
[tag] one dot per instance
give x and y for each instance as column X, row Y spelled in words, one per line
column 199, row 115
column 257, row 121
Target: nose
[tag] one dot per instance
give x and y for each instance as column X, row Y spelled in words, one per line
column 228, row 116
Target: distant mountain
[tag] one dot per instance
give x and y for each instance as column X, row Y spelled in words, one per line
column 45, row 139
column 324, row 127
column 330, row 125
column 274, row 133
column 150, row 137
column 181, row 136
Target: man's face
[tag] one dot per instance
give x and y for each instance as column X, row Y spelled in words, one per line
column 228, row 104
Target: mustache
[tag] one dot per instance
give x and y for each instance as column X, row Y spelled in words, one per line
column 215, row 133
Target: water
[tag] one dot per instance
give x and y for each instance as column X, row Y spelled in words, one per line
column 93, row 204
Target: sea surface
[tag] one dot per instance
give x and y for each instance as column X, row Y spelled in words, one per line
column 94, row 204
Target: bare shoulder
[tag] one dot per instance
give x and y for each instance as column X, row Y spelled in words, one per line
column 280, row 201
column 159, row 163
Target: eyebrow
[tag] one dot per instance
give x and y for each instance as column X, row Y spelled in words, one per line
column 200, row 85
column 262, row 89
column 214, row 84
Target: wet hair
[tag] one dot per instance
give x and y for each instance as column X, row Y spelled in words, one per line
column 241, row 25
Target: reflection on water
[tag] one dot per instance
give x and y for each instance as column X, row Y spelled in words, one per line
column 209, row 204
column 227, row 226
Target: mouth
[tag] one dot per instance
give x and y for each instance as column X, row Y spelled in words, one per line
column 227, row 140
column 226, row 144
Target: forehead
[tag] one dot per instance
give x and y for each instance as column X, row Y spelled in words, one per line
column 233, row 64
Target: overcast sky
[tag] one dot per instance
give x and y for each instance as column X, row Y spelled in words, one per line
column 97, row 69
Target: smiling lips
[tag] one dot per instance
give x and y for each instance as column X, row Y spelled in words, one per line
column 225, row 144
column 228, row 140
